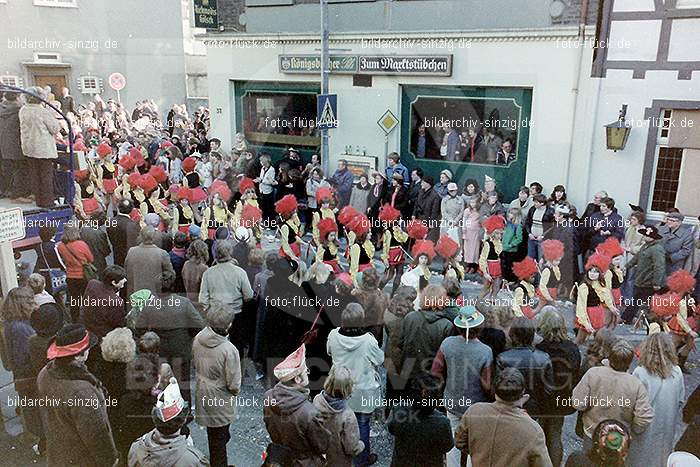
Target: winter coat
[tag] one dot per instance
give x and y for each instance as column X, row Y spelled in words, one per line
column 358, row 197
column 519, row 441
column 536, row 367
column 363, row 357
column 143, row 264
column 678, row 246
column 566, row 368
column 524, row 207
column 102, row 309
column 123, row 234
column 377, row 197
column 613, row 222
column 294, row 422
column 38, row 125
column 427, row 205
column 392, row 352
column 399, row 200
column 10, row 138
column 218, row 380
column 155, row 449
column 342, row 181
column 487, row 210
column 74, row 255
column 452, row 210
column 79, row 433
column 651, row 265
column 226, row 283
column 341, row 422
column 99, row 245
column 422, row 437
column 420, row 337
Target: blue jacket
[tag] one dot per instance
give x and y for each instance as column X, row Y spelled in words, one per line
column 399, row 169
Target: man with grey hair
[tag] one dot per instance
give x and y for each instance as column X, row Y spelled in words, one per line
column 161, row 239
column 145, row 263
column 678, row 241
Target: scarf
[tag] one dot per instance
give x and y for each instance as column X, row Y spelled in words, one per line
column 75, row 372
column 334, row 402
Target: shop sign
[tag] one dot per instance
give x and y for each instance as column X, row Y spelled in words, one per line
column 206, row 14
column 433, row 65
column 312, row 63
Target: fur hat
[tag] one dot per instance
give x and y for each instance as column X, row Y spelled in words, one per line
column 148, row 183
column 359, row 224
column 680, row 282
column 423, row 247
column 292, row 366
column 250, row 215
column 246, row 184
column 189, row 164
column 127, row 162
column 103, row 150
column 610, row 248
column 81, row 175
column 326, row 226
column 134, row 180
column 287, row 205
column 494, row 223
column 137, row 156
column 178, row 192
column 665, row 305
column 552, row 250
column 324, row 193
column 158, row 173
column 525, row 269
column 388, row 213
column 346, row 214
column 446, row 247
column 417, row 230
column 220, row 187
column 596, row 260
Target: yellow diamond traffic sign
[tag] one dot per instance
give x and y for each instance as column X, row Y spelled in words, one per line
column 388, row 121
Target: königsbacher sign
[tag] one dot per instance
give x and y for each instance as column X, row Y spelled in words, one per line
column 434, row 65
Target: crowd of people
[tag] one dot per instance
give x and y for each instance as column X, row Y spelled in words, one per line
column 190, row 268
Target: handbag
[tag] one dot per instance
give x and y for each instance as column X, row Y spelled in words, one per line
column 89, row 269
column 56, row 276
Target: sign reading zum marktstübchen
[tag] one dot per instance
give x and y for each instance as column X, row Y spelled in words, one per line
column 433, row 65
column 206, row 14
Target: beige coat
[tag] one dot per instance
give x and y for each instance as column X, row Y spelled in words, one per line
column 605, row 393
column 488, row 432
column 38, row 125
column 218, row 380
column 345, row 434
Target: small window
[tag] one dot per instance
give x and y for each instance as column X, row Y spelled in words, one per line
column 668, row 171
column 665, row 123
column 11, row 80
column 47, row 57
column 57, row 3
column 90, row 84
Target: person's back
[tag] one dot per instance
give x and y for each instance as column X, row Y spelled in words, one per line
column 421, row 437
column 422, row 332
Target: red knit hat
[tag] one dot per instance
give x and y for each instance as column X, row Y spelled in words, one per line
column 246, row 184
column 134, row 180
column 552, row 250
column 665, row 305
column 610, row 248
column 137, row 155
column 525, row 269
column 189, row 164
column 323, row 193
column 158, row 173
column 148, row 183
column 423, row 247
column 286, row 206
column 359, row 224
column 127, row 162
column 388, row 213
column 596, row 260
column 680, row 282
column 81, row 175
column 446, row 247
column 79, row 145
column 250, row 215
column 326, row 226
column 416, row 229
column 103, row 150
column 494, row 223
column 220, row 187
column 346, row 214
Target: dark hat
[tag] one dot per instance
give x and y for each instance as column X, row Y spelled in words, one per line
column 47, row 320
column 636, row 208
column 215, row 140
column 429, row 180
column 650, row 231
column 175, row 136
column 71, row 339
column 675, row 216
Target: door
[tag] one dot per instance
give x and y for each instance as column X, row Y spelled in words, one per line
column 57, row 83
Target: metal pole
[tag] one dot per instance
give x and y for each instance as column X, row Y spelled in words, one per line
column 325, row 163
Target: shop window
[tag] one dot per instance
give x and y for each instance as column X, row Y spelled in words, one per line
column 467, row 130
column 280, row 118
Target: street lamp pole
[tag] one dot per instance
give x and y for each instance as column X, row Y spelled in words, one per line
column 325, row 163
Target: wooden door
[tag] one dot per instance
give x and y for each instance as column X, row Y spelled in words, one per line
column 57, row 83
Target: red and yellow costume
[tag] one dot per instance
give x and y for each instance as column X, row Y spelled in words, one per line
column 550, row 275
column 327, row 249
column 682, row 284
column 324, row 195
column 361, row 252
column 191, row 180
column 86, row 202
column 524, row 292
column 448, row 249
column 106, row 171
column 394, row 239
column 490, row 258
column 592, row 298
column 290, row 228
column 127, row 165
column 419, row 275
column 246, row 188
column 182, row 213
column 217, row 214
column 139, row 154
column 250, row 218
column 614, row 276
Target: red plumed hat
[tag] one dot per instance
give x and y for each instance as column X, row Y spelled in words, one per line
column 552, row 250
column 103, row 150
column 137, row 155
column 359, row 224
column 79, row 145
column 346, row 214
column 525, row 269
column 324, row 193
column 416, row 229
column 596, row 260
column 165, row 144
column 134, row 180
column 423, row 247
column 250, row 215
column 178, row 192
column 158, row 173
column 610, row 248
column 494, row 223
column 246, row 184
column 81, row 175
column 189, row 164
column 148, row 183
column 446, row 247
column 666, row 305
column 220, row 187
column 388, row 213
column 127, row 162
column 326, row 226
column 680, row 282
column 286, row 206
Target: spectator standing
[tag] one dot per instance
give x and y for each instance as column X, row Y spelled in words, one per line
column 650, row 271
column 523, row 202
column 394, row 166
column 472, row 233
column 427, row 208
column 451, row 212
column 14, row 165
column 225, row 282
column 604, row 224
column 678, row 241
column 537, row 224
column 360, row 193
column 632, row 243
column 91, row 233
column 74, row 253
column 266, row 181
column 610, row 446
column 414, row 187
column 145, row 263
column 194, row 268
column 123, row 232
column 102, row 309
column 342, row 181
column 177, row 259
column 444, row 180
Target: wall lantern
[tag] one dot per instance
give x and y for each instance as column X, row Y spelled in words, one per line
column 616, row 133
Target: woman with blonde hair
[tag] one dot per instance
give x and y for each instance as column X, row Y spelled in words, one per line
column 338, row 418
column 193, row 269
column 15, row 332
column 660, row 374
